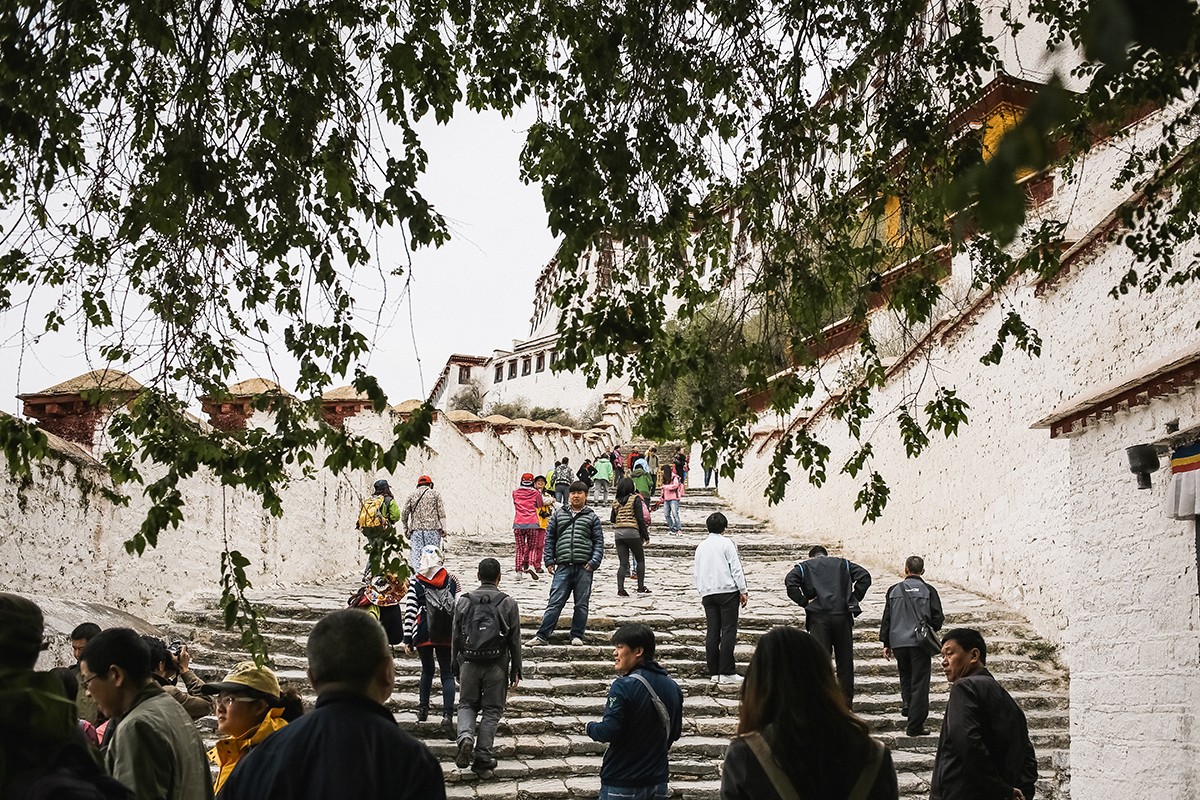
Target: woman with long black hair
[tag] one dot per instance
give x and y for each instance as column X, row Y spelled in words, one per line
column 796, row 736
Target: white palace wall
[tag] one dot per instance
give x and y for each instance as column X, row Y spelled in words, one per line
column 1056, row 528
column 59, row 537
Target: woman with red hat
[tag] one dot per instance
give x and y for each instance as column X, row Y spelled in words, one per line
column 424, row 518
column 526, row 502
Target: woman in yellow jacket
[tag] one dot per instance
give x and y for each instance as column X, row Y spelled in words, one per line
column 250, row 707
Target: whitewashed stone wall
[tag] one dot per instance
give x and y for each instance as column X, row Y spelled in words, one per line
column 1054, row 527
column 1134, row 633
column 60, row 538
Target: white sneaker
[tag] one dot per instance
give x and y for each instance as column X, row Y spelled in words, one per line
column 536, row 641
column 731, row 680
column 715, row 679
column 533, row 573
column 577, row 641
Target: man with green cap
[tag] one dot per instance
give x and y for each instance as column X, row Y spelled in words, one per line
column 41, row 745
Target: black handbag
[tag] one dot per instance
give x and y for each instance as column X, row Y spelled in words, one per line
column 927, row 640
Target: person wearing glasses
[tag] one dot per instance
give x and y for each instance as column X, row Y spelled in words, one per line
column 155, row 750
column 250, row 707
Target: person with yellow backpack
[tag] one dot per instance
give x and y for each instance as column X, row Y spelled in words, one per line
column 382, row 595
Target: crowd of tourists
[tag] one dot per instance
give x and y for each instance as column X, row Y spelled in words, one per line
column 120, row 723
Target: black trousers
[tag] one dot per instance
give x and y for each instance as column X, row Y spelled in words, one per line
column 721, row 614
column 914, row 665
column 624, row 548
column 836, row 632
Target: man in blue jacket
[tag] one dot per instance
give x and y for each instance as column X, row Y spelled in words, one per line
column 574, row 547
column 642, row 718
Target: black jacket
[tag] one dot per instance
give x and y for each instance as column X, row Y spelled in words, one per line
column 984, row 749
column 828, row 585
column 900, row 616
column 348, row 746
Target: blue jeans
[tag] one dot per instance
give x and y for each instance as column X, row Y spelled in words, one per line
column 659, row 792
column 568, row 580
column 671, row 510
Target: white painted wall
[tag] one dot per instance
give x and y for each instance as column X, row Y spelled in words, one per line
column 1055, row 528
column 60, row 538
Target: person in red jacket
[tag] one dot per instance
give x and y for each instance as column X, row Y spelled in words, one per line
column 527, row 502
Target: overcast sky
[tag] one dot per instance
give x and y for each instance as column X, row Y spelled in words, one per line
column 470, row 296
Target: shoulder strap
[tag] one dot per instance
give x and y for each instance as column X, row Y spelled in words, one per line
column 866, row 778
column 659, row 706
column 766, row 759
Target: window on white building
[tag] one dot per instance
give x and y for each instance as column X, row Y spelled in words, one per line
column 499, row 373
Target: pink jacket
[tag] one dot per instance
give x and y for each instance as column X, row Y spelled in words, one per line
column 526, row 501
column 672, row 490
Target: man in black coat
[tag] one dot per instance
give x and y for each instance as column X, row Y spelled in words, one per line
column 984, row 752
column 349, row 746
column 829, row 590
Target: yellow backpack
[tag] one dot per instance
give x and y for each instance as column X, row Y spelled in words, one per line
column 373, row 514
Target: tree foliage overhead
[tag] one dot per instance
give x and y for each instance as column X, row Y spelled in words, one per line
column 803, row 154
column 187, row 180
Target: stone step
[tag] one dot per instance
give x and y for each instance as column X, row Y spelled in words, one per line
column 541, row 744
column 679, row 644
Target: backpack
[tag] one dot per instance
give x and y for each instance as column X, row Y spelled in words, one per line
column 439, row 611
column 645, row 511
column 484, row 633
column 373, row 514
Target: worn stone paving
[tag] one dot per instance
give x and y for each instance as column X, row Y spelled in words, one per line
column 541, row 745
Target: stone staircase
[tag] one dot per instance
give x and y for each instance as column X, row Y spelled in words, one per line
column 541, row 744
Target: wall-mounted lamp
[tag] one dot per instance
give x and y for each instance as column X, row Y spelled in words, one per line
column 1143, row 459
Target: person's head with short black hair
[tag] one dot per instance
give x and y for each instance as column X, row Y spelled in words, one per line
column 86, row 631
column 716, row 522
column 83, row 634
column 816, row 551
column 565, row 461
column 578, row 495
column 348, row 651
column 115, row 667
column 119, row 647
column 633, row 644
column 968, row 639
column 161, row 663
column 489, row 571
column 21, row 631
column 914, row 565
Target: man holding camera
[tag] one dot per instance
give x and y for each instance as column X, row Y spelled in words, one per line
column 171, row 663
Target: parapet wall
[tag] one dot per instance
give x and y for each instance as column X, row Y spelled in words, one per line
column 60, row 537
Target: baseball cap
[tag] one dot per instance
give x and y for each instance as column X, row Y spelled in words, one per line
column 247, row 675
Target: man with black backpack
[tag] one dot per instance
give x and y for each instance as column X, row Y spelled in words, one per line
column 486, row 651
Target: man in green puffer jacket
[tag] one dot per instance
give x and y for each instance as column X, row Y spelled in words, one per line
column 574, row 548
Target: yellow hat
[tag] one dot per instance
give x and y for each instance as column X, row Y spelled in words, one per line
column 247, row 676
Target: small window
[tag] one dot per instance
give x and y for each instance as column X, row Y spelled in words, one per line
column 464, row 374
column 499, row 373
column 526, row 366
column 553, row 357
column 541, row 362
column 512, row 369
